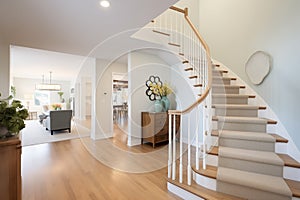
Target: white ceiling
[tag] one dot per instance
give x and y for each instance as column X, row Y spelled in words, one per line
column 74, row 27
column 34, row 63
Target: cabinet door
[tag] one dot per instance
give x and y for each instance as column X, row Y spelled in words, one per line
column 147, row 125
column 161, row 120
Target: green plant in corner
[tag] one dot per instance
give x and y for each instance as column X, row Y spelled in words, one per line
column 12, row 116
column 13, row 91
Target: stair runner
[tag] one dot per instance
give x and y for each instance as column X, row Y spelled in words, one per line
column 248, row 166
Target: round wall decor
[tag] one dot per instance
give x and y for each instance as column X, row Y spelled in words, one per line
column 258, row 67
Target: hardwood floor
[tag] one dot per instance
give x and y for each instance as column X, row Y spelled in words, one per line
column 65, row 170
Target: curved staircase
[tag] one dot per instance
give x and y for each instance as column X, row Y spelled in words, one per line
column 242, row 163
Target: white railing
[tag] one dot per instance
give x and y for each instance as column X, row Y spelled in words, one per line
column 183, row 35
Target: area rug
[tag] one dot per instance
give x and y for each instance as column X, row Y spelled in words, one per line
column 35, row 133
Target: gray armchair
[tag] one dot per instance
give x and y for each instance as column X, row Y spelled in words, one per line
column 59, row 120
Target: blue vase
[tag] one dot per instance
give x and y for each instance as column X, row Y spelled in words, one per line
column 165, row 103
column 158, row 107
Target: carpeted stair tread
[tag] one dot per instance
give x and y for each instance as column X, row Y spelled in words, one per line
column 253, row 180
column 234, row 95
column 219, row 71
column 289, row 161
column 251, row 155
column 227, row 86
column 250, row 120
column 294, row 187
column 203, row 192
column 238, row 106
column 224, row 78
column 278, row 138
column 211, row 172
column 243, row 135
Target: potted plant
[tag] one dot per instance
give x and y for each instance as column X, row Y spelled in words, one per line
column 60, row 93
column 12, row 116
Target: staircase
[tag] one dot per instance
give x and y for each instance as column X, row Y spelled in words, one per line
column 238, row 155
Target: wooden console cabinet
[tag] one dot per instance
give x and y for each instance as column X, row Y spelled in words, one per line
column 10, row 169
column 155, row 127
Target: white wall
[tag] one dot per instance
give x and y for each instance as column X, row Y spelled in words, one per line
column 84, row 86
column 103, row 98
column 26, row 87
column 4, row 68
column 235, row 29
column 140, row 67
column 193, row 9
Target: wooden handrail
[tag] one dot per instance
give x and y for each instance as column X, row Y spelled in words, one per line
column 208, row 87
column 178, row 9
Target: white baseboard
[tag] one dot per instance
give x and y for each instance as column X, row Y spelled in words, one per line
column 182, row 193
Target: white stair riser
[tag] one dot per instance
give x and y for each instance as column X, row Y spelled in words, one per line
column 236, row 112
column 247, row 192
column 251, row 166
column 225, row 90
column 247, row 144
column 221, row 81
column 291, row 173
column 281, row 148
column 229, row 100
column 184, row 194
column 252, row 127
column 204, row 181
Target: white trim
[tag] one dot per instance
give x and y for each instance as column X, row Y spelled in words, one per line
column 182, row 193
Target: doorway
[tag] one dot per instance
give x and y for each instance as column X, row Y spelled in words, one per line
column 120, row 106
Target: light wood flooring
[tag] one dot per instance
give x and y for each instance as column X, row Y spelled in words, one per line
column 66, row 170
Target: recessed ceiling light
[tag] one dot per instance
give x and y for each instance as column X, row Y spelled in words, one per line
column 105, row 3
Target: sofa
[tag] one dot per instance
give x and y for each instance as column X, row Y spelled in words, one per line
column 58, row 120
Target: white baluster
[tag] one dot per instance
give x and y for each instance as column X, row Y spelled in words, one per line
column 181, row 153
column 204, row 136
column 197, row 138
column 189, row 171
column 174, row 153
column 181, row 35
column 170, row 147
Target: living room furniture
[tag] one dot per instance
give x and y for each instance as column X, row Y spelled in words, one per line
column 155, row 127
column 10, row 169
column 58, row 120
